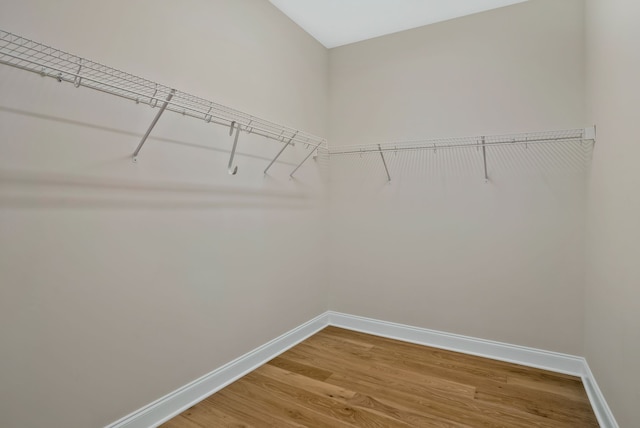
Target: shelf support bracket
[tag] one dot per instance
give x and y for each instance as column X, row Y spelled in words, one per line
column 303, row 161
column 233, row 170
column 280, row 152
column 384, row 162
column 484, row 158
column 153, row 124
column 590, row 133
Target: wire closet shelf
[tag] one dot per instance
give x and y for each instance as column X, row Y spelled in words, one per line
column 481, row 143
column 26, row 54
column 567, row 135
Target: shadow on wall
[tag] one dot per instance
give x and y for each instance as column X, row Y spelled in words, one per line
column 137, row 136
column 22, row 189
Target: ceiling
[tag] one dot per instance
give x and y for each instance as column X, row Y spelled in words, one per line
column 339, row 22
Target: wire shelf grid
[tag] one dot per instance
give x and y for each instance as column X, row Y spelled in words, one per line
column 32, row 56
column 579, row 135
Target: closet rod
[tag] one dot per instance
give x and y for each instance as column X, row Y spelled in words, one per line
column 25, row 54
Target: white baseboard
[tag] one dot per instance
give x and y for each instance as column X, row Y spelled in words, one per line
column 174, row 403
column 181, row 399
column 531, row 357
column 553, row 361
column 599, row 404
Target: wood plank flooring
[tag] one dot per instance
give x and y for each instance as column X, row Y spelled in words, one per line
column 341, row 378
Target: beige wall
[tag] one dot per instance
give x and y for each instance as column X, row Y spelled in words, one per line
column 612, row 327
column 121, row 282
column 513, row 69
column 438, row 247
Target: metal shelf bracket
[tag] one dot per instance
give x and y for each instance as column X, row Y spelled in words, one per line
column 313, row 149
column 153, row 124
column 233, row 170
column 484, row 159
column 280, row 152
column 384, row 162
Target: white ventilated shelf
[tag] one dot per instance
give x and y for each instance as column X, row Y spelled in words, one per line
column 20, row 52
column 545, row 137
column 481, row 143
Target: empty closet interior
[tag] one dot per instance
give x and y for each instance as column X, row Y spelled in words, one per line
column 183, row 182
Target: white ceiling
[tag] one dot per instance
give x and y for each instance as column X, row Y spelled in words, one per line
column 339, row 22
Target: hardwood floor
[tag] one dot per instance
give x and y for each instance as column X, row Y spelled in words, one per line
column 341, row 378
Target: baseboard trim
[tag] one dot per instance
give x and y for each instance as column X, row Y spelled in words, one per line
column 599, row 404
column 181, row 399
column 531, row 357
column 553, row 361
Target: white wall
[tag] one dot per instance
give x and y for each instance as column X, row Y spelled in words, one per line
column 438, row 247
column 121, row 281
column 612, row 327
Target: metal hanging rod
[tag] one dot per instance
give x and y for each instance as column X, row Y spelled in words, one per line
column 546, row 137
column 25, row 54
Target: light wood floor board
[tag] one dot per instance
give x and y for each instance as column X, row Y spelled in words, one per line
column 341, row 378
